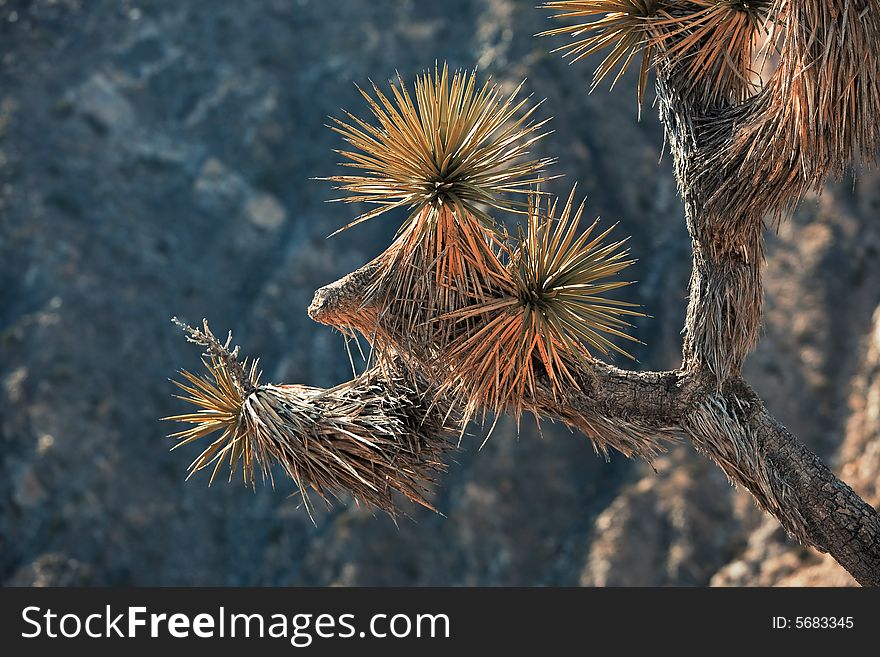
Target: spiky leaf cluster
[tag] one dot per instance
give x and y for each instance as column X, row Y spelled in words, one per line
column 450, row 258
column 449, row 153
column 546, row 317
column 220, row 401
column 714, row 41
column 484, row 315
column 449, row 144
column 368, row 438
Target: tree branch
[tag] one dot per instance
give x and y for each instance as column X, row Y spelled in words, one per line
column 734, row 429
column 626, row 410
column 735, row 165
column 655, row 399
column 632, row 412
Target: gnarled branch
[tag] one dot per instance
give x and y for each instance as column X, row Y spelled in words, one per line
column 729, row 425
column 632, row 412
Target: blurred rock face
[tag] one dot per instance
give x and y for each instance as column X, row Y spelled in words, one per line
column 156, row 160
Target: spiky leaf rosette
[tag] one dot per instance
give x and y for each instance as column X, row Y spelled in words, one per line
column 718, row 42
column 368, row 438
column 714, row 39
column 548, row 316
column 452, row 144
column 626, row 27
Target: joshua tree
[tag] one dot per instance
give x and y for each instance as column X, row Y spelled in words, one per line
column 465, row 318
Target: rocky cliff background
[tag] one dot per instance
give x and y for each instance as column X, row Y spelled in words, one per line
column 155, row 160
